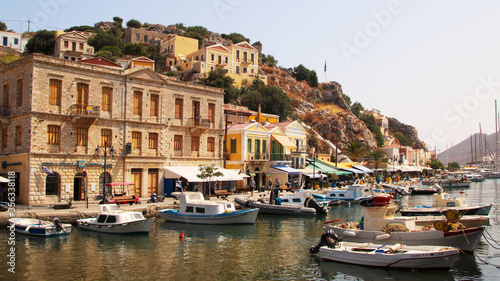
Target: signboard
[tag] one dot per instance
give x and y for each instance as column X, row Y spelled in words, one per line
column 80, row 164
column 84, row 174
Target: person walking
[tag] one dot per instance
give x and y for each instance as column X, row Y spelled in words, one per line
column 252, row 185
column 270, row 185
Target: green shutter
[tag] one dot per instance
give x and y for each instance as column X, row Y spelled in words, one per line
column 249, row 148
column 233, row 146
column 264, row 146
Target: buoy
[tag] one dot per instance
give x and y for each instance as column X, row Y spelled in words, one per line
column 181, row 235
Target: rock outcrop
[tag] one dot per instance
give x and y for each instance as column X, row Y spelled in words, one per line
column 409, row 131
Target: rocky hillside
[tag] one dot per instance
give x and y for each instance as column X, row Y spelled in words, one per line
column 409, row 131
column 465, row 151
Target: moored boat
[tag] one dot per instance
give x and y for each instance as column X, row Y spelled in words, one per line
column 38, row 227
column 111, row 219
column 266, row 207
column 420, row 188
column 379, row 224
column 195, row 209
column 444, row 202
column 385, row 255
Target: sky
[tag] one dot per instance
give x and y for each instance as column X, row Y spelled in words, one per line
column 434, row 65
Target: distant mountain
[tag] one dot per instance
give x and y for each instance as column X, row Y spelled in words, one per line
column 461, row 153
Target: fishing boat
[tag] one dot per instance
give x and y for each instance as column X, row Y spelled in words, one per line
column 379, row 224
column 395, row 190
column 353, row 193
column 304, row 198
column 195, row 209
column 443, row 202
column 450, row 180
column 466, row 221
column 111, row 219
column 420, row 188
column 38, row 227
column 396, row 255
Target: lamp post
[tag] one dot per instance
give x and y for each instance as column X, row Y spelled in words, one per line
column 105, row 149
column 315, row 154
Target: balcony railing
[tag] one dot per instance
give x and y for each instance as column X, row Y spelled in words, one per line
column 280, row 157
column 257, row 156
column 199, row 122
column 85, row 110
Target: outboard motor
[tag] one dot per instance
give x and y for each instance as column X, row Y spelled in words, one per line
column 58, row 224
column 311, row 203
column 329, row 238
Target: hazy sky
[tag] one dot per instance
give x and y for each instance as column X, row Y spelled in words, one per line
column 430, row 64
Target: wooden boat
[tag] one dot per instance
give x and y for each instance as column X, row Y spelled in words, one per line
column 38, row 227
column 379, row 224
column 195, row 209
column 386, row 255
column 466, row 221
column 444, row 202
column 111, row 219
column 266, row 207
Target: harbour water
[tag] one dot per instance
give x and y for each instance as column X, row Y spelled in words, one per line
column 275, row 248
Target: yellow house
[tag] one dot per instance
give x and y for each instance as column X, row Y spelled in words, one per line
column 245, row 63
column 73, row 45
column 209, row 58
column 137, row 62
column 293, row 140
column 177, row 48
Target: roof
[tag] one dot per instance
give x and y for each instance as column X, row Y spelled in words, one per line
column 284, row 141
column 190, row 173
column 287, row 169
column 101, row 61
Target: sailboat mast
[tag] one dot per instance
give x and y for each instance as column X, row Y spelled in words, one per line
column 471, row 150
column 496, row 136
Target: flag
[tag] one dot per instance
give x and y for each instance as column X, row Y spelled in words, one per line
column 325, row 65
column 47, row 170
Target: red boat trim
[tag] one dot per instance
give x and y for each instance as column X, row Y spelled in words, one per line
column 462, row 232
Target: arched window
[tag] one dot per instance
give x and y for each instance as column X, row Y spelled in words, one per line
column 104, row 178
column 52, row 183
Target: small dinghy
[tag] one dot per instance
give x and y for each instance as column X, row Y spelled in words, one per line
column 381, row 255
column 40, row 228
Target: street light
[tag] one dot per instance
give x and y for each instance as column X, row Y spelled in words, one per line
column 315, row 154
column 105, row 149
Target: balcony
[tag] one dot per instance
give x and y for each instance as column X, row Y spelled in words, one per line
column 257, row 156
column 280, row 157
column 83, row 114
column 5, row 110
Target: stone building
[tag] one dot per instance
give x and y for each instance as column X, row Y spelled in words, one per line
column 59, row 117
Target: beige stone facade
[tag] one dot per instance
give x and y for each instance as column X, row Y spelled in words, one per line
column 58, row 114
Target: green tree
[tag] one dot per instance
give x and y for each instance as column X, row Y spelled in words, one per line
column 347, row 99
column 117, row 21
column 301, row 73
column 377, row 158
column 270, row 60
column 251, row 98
column 453, row 166
column 371, row 124
column 274, row 100
column 357, row 108
column 134, row 49
column 102, row 39
column 356, row 150
column 209, row 172
column 180, row 26
column 197, row 32
column 114, row 50
column 403, row 140
column 86, row 28
column 42, row 42
column 134, row 23
column 217, row 78
column 312, row 140
column 235, row 37
column 3, row 26
column 436, row 165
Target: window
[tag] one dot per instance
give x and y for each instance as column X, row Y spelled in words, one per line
column 237, row 69
column 264, row 146
column 19, row 135
column 153, row 140
column 52, row 184
column 136, row 140
column 237, row 55
column 195, row 143
column 211, row 112
column 189, row 209
column 233, row 145
column 16, row 41
column 252, row 57
column 101, row 218
column 249, row 148
column 5, row 137
column 219, row 59
column 53, row 134
column 81, row 137
column 200, row 210
column 178, row 142
column 66, row 44
column 111, row 219
column 211, row 144
column 19, row 94
column 137, row 103
column 107, row 92
column 6, row 95
column 244, row 70
column 296, row 200
column 179, row 103
column 226, row 60
column 154, row 105
column 257, row 146
column 245, row 56
column 145, row 39
column 212, row 57
column 81, row 46
column 106, row 137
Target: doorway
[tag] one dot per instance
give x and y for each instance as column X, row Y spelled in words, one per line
column 78, row 190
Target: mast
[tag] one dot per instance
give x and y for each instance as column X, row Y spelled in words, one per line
column 496, row 136
column 480, row 145
column 471, row 151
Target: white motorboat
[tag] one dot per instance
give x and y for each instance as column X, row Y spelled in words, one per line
column 444, row 202
column 386, row 255
column 354, row 193
column 420, row 188
column 395, row 190
column 379, row 224
column 40, row 228
column 451, row 180
column 111, row 219
column 195, row 209
column 304, row 198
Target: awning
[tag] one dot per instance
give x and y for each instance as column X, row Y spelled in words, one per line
column 2, row 179
column 325, row 168
column 314, row 176
column 252, row 174
column 284, row 141
column 287, row 169
column 362, row 168
column 190, row 173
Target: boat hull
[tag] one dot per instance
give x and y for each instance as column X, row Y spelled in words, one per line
column 33, row 227
column 265, row 208
column 466, row 240
column 483, row 210
column 239, row 217
column 140, row 226
column 466, row 221
column 420, row 257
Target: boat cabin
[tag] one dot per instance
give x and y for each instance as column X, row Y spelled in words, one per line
column 112, row 214
column 298, row 197
column 195, row 203
column 352, row 193
column 443, row 200
column 376, row 218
